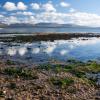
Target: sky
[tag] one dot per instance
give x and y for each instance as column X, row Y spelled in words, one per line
column 79, row 12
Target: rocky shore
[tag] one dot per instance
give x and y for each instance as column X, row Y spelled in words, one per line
column 21, row 37
column 51, row 81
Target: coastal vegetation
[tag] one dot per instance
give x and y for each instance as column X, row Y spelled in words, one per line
column 20, row 72
column 69, row 81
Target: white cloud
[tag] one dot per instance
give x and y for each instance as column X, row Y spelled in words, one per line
column 35, row 6
column 26, row 13
column 1, row 16
column 9, row 6
column 21, row 6
column 79, row 18
column 72, row 10
column 50, row 15
column 49, row 7
column 32, row 20
column 64, row 4
column 11, row 20
column 86, row 19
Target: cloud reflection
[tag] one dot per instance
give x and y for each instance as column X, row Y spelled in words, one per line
column 85, row 41
column 57, row 47
column 50, row 49
column 35, row 50
column 11, row 51
column 22, row 51
column 63, row 52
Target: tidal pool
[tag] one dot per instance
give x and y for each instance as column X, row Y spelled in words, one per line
column 43, row 51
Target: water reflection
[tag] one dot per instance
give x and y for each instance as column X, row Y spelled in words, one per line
column 64, row 52
column 22, row 51
column 50, row 49
column 11, row 51
column 82, row 49
column 36, row 50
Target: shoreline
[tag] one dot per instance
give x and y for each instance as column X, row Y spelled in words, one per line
column 47, row 33
column 44, row 36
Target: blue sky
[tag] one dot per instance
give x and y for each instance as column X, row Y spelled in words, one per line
column 92, row 6
column 81, row 12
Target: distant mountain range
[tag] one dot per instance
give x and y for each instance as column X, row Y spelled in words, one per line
column 3, row 25
column 21, row 25
column 46, row 25
column 54, row 25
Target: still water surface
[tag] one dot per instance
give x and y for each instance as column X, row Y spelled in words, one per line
column 43, row 51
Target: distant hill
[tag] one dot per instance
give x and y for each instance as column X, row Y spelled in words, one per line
column 61, row 25
column 48, row 25
column 55, row 25
column 2, row 25
column 42, row 25
column 20, row 25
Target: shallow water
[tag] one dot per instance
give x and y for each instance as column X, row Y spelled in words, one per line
column 43, row 51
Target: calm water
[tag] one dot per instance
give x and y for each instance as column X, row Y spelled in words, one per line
column 35, row 29
column 44, row 51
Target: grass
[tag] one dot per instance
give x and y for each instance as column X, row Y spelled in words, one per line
column 92, row 82
column 21, row 72
column 61, row 82
column 79, row 74
column 75, row 67
column 2, row 94
column 45, row 67
column 9, row 62
column 94, row 67
column 56, row 68
column 74, row 62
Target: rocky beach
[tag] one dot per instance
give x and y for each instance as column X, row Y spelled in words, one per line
column 52, row 81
